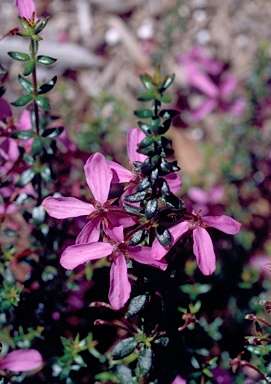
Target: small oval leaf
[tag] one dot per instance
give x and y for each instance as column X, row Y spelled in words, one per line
column 22, row 100
column 23, row 135
column 26, row 84
column 136, row 305
column 19, row 56
column 143, row 113
column 124, row 348
column 42, row 102
column 144, row 360
column 29, row 66
column 25, row 177
column 151, row 208
column 46, row 60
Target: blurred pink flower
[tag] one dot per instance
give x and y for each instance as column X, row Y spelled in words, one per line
column 202, row 198
column 5, row 110
column 21, row 360
column 26, row 8
column 9, row 154
column 179, row 380
column 202, row 247
column 24, row 124
column 262, row 263
column 211, row 79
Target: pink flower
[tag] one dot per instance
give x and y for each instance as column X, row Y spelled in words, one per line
column 203, row 198
column 99, row 177
column 202, row 247
column 24, row 124
column 122, row 175
column 9, row 153
column 5, row 110
column 26, row 8
column 118, row 251
column 21, row 360
column 179, row 380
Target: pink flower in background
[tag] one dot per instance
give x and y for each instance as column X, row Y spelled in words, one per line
column 5, row 110
column 212, row 80
column 99, row 211
column 203, row 246
column 9, row 153
column 179, row 380
column 26, row 8
column 118, row 250
column 202, row 198
column 21, row 360
column 24, row 124
column 123, row 175
column 262, row 263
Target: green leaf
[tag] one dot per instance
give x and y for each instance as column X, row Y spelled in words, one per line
column 168, row 113
column 53, row 132
column 166, row 83
column 155, row 121
column 136, row 197
column 46, row 174
column 132, row 209
column 144, row 360
column 38, row 215
column 144, row 184
column 143, row 113
column 124, row 374
column 163, row 236
column 19, row 56
column 28, row 159
column 42, row 102
column 145, row 128
column 147, row 82
column 23, row 135
column 146, row 96
column 37, row 145
column 41, row 26
column 22, row 100
column 163, row 128
column 47, row 86
column 146, row 142
column 163, row 97
column 29, row 66
column 138, row 237
column 136, row 305
column 26, row 84
column 124, row 348
column 26, row 177
column 36, row 46
column 151, row 208
column 25, row 25
column 46, row 60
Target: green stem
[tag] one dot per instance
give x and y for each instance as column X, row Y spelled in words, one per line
column 35, row 87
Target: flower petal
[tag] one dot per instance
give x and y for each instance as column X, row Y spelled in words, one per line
column 174, row 182
column 82, row 253
column 135, row 136
column 21, row 360
column 120, row 287
column 98, row 176
column 204, row 250
column 223, row 223
column 143, row 255
column 64, row 207
column 90, row 233
column 26, row 8
column 201, row 81
column 120, row 174
column 203, row 110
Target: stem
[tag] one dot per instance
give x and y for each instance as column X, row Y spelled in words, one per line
column 35, row 86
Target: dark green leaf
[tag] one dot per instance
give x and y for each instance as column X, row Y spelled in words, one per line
column 144, row 360
column 132, row 209
column 143, row 113
column 163, row 128
column 38, row 215
column 36, row 46
column 154, row 175
column 146, row 142
column 41, row 26
column 163, row 185
column 42, row 102
column 143, row 185
column 155, row 121
column 136, row 197
column 147, row 82
column 146, row 166
column 149, row 151
column 26, row 84
column 145, row 128
column 45, row 60
column 167, row 82
column 136, row 305
column 168, row 113
column 146, row 96
column 124, row 374
column 29, row 66
column 155, row 160
column 138, row 237
column 163, row 341
column 25, row 177
column 22, row 100
column 163, row 236
column 23, row 135
column 37, row 146
column 165, row 166
column 172, row 201
column 163, row 97
column 46, row 174
column 28, row 159
column 47, row 86
column 124, row 348
column 26, row 26
column 19, row 56
column 151, row 208
column 53, row 132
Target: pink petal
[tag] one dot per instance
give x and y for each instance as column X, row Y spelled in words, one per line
column 90, row 233
column 223, row 223
column 135, row 136
column 21, row 360
column 82, row 253
column 26, row 8
column 120, row 287
column 116, row 233
column 98, row 176
column 198, row 195
column 179, row 380
column 119, row 217
column 64, row 207
column 158, row 251
column 201, row 81
column 227, row 85
column 203, row 110
column 120, row 174
column 216, row 194
column 174, row 182
column 204, row 250
column 5, row 110
column 143, row 255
